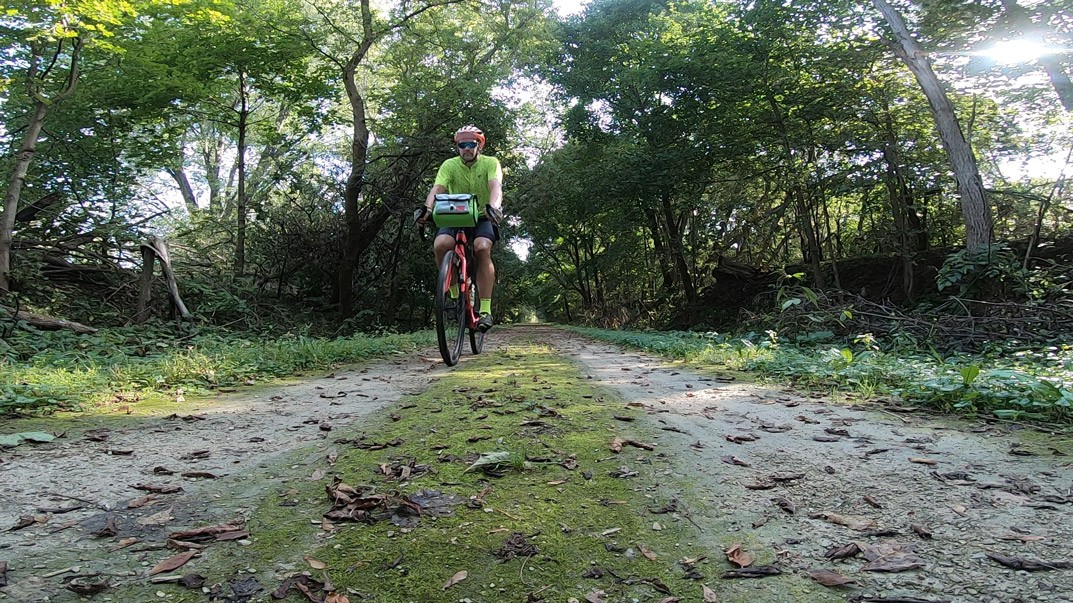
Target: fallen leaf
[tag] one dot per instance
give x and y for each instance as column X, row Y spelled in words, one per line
column 854, row 523
column 843, row 552
column 1028, row 565
column 829, row 578
column 124, row 543
column 455, row 579
column 785, row 504
column 157, row 519
column 669, row 600
column 3, row 573
column 172, row 563
column 738, row 557
column 921, row 531
column 141, row 501
column 336, row 598
column 646, row 552
column 922, row 461
column 315, row 563
column 709, row 594
column 890, row 557
column 733, row 460
column 760, row 571
column 596, row 596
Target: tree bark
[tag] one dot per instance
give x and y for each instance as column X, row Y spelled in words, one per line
column 974, row 205
column 145, row 285
column 241, row 201
column 28, row 147
column 185, row 189
column 160, row 249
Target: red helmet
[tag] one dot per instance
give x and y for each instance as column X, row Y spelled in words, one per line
column 470, row 133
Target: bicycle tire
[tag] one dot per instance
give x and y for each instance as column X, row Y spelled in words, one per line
column 476, row 336
column 450, row 313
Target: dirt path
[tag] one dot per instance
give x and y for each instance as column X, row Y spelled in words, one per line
column 778, row 472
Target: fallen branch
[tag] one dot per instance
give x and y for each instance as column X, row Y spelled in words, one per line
column 45, row 322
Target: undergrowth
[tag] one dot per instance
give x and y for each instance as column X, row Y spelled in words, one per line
column 42, row 371
column 1009, row 384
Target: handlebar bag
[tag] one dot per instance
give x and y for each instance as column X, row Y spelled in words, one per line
column 455, row 211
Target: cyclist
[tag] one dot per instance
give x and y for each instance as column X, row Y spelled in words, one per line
column 481, row 176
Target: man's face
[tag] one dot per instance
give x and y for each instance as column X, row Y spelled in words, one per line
column 467, row 150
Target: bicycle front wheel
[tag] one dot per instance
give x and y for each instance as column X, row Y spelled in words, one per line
column 476, row 337
column 450, row 311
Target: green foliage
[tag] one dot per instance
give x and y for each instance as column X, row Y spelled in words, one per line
column 973, row 272
column 47, row 371
column 1007, row 385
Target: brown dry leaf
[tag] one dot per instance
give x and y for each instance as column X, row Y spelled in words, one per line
column 829, row 577
column 922, row 461
column 317, row 476
column 172, row 563
column 959, row 509
column 1022, row 537
column 336, row 598
column 854, row 523
column 315, row 563
column 709, row 594
column 122, row 544
column 890, row 557
column 157, row 519
column 646, row 552
column 596, row 596
column 455, row 579
column 669, row 600
column 205, row 533
column 558, row 482
column 141, row 501
column 738, row 557
column 733, row 460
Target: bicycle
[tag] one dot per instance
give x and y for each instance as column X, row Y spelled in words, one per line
column 456, row 315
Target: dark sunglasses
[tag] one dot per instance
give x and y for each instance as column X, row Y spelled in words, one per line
column 467, row 145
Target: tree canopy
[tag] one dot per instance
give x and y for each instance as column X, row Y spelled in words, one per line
column 654, row 151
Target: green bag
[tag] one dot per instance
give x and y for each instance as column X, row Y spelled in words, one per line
column 455, row 211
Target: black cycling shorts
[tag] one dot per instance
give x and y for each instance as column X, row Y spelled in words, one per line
column 484, row 229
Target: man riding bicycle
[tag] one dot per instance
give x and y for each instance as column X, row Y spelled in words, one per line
column 481, row 176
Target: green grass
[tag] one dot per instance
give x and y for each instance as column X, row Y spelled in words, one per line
column 44, row 372
column 1017, row 385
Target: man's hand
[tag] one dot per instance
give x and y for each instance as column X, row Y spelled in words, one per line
column 421, row 216
column 495, row 214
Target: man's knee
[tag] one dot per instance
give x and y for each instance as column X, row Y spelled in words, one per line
column 482, row 245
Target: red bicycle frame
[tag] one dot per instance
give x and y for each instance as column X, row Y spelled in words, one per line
column 461, row 246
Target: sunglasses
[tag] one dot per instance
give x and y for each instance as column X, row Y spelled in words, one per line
column 467, row 145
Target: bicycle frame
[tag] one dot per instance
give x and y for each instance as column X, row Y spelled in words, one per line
column 461, row 248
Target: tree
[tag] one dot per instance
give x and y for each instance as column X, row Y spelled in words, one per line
column 974, row 205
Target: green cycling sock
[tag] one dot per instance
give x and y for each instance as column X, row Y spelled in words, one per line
column 454, row 291
column 486, row 305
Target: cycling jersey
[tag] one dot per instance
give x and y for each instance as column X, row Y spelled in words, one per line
column 460, row 178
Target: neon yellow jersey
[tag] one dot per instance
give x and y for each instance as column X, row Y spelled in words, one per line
column 460, row 178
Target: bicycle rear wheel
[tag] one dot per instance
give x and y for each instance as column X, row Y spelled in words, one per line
column 450, row 312
column 476, row 337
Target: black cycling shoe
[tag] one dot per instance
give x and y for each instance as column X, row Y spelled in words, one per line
column 484, row 322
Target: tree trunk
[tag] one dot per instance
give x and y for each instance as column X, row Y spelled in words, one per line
column 28, row 147
column 14, row 190
column 145, row 286
column 359, row 152
column 674, row 239
column 179, row 176
column 974, row 206
column 241, row 201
